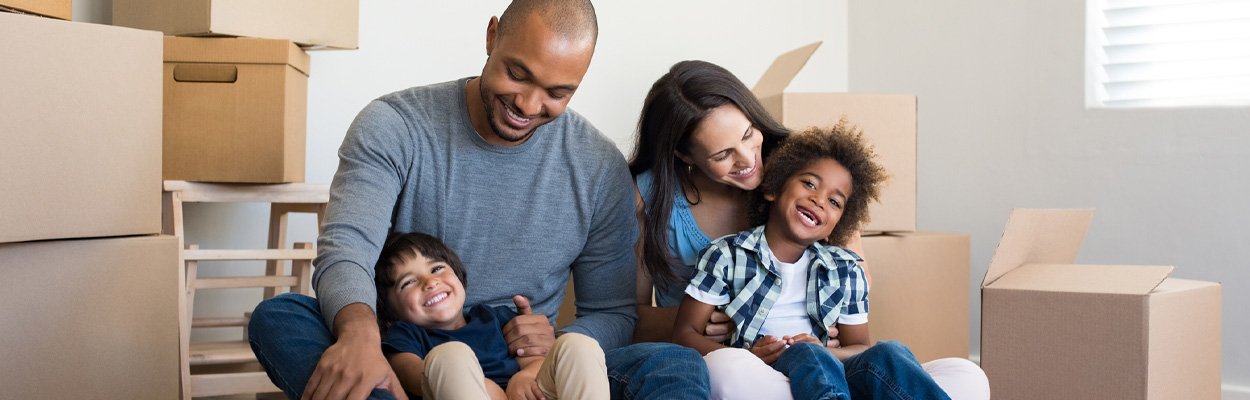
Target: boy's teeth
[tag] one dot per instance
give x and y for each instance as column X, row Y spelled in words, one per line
column 436, row 299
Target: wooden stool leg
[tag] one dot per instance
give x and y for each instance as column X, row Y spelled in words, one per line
column 186, row 299
column 277, row 240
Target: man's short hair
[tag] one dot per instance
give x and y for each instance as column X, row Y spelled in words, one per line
column 567, row 18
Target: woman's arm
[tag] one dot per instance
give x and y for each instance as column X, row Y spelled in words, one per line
column 655, row 324
column 854, row 340
column 409, row 368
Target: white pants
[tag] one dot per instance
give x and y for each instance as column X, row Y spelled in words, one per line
column 738, row 374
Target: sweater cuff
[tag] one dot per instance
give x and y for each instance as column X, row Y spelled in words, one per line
column 344, row 284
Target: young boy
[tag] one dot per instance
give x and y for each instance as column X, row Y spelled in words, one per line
column 442, row 352
column 785, row 284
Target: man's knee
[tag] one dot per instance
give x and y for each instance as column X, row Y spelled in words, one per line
column 279, row 312
column 891, row 350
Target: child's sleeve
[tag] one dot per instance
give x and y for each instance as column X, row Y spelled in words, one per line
column 403, row 337
column 710, row 282
column 855, row 310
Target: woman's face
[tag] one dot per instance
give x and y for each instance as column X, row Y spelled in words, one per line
column 726, row 148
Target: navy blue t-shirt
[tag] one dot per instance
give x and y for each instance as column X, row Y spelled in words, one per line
column 483, row 332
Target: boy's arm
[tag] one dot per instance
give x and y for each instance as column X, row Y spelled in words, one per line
column 690, row 324
column 854, row 340
column 524, row 383
column 409, row 368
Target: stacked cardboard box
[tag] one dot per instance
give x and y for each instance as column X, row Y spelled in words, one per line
column 1092, row 331
column 236, row 108
column 90, row 288
column 920, row 280
column 61, row 9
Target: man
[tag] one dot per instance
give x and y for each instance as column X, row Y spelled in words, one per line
column 524, row 191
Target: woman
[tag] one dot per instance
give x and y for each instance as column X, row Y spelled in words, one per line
column 702, row 138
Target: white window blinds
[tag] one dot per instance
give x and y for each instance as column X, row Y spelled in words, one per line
column 1161, row 53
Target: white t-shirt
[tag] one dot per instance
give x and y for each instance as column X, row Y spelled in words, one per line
column 788, row 316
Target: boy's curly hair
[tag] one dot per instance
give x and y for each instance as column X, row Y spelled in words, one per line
column 843, row 143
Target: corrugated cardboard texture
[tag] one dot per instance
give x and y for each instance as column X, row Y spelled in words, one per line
column 63, row 9
column 1039, row 236
column 90, row 319
column 80, row 119
column 249, row 130
column 1185, row 334
column 312, row 23
column 920, row 292
column 1063, row 345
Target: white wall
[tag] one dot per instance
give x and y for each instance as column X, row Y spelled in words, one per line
column 405, row 43
column 1003, row 124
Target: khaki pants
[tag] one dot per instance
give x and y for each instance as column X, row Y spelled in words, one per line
column 574, row 369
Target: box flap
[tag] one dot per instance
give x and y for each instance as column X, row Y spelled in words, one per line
column 236, row 51
column 1038, row 236
column 783, row 70
column 1072, row 278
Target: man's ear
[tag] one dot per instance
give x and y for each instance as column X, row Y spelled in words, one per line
column 492, row 34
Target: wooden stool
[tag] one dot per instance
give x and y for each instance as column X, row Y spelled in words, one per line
column 283, row 199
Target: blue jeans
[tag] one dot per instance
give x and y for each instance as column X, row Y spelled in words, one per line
column 288, row 335
column 887, row 370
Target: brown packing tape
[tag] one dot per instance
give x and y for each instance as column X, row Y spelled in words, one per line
column 216, row 73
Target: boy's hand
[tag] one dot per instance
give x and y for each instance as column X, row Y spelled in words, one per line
column 523, row 386
column 802, row 337
column 528, row 334
column 718, row 327
column 768, row 349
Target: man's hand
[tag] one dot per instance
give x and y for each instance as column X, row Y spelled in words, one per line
column 528, row 334
column 523, row 386
column 354, row 365
column 719, row 327
column 768, row 349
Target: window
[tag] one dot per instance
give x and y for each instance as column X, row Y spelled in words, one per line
column 1166, row 53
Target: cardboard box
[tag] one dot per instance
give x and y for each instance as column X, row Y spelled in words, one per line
column 920, row 292
column 1092, row 331
column 80, row 123
column 311, row 23
column 235, row 110
column 888, row 120
column 90, row 319
column 63, row 9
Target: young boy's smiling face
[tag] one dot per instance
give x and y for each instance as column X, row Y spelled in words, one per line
column 809, row 203
column 427, row 293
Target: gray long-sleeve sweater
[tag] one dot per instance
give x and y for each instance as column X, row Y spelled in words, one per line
column 521, row 218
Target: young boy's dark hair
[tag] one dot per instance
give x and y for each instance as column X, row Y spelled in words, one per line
column 400, row 247
column 842, row 143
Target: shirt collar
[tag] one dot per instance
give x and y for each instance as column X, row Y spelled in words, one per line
column 753, row 240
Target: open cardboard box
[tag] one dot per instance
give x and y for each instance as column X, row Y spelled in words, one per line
column 1057, row 330
column 311, row 23
column 235, row 110
column 887, row 120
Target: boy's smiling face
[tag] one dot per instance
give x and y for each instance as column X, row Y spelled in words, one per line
column 427, row 293
column 809, row 203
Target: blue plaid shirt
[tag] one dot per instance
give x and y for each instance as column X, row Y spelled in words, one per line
column 731, row 266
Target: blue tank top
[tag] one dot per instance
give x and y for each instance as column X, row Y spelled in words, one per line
column 685, row 239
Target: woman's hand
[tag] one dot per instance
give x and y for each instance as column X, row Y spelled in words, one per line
column 768, row 349
column 719, row 327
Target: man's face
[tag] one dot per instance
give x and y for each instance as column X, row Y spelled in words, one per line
column 529, row 78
